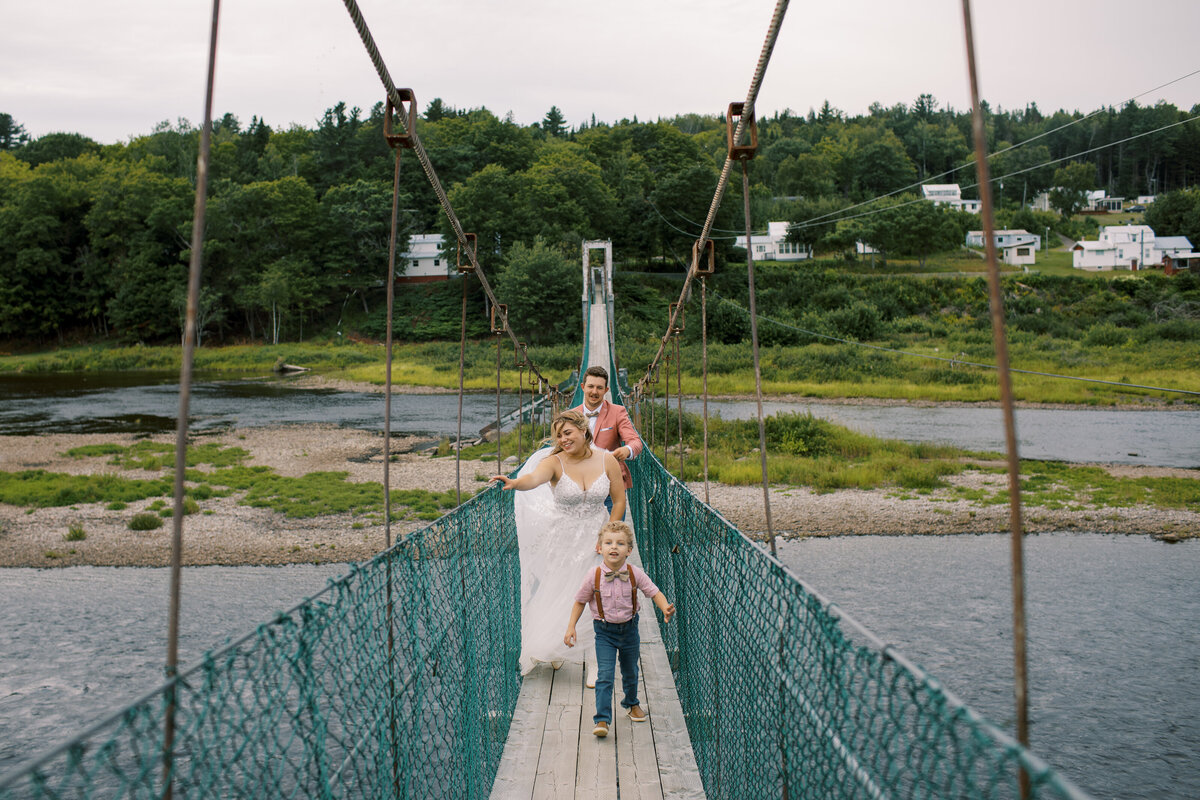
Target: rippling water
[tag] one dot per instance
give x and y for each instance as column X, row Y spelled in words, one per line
column 1113, row 640
column 79, row 643
column 149, row 403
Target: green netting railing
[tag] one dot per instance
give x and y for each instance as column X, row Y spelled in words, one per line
column 399, row 680
column 779, row 701
column 321, row 702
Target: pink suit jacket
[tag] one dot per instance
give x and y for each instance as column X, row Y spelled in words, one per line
column 613, row 429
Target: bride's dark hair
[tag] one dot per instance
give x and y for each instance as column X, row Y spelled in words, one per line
column 573, row 417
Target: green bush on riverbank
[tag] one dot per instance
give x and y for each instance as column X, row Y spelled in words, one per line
column 807, row 451
column 925, row 335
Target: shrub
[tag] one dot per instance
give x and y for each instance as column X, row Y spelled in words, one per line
column 75, row 532
column 145, row 522
column 1106, row 335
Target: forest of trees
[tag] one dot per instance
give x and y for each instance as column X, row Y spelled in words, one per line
column 94, row 238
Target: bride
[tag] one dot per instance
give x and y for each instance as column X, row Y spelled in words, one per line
column 559, row 513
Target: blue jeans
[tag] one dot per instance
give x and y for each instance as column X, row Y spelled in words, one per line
column 619, row 641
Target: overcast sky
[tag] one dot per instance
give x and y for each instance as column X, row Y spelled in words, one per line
column 114, row 69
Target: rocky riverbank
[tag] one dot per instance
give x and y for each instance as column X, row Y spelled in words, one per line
column 225, row 532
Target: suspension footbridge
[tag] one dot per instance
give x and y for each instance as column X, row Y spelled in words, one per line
column 400, row 679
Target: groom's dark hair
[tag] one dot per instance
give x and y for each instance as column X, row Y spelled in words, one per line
column 596, row 372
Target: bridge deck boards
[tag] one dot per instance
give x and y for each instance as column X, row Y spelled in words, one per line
column 551, row 752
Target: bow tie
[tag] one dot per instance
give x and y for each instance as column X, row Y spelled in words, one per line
column 590, row 414
column 621, row 575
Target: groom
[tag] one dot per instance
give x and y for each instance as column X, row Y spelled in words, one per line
column 609, row 423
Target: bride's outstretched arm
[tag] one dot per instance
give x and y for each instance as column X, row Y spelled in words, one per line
column 545, row 471
column 616, row 484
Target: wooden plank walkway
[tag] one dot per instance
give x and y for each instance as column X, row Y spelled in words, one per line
column 551, row 752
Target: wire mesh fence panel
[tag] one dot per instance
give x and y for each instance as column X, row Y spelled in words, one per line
column 780, row 695
column 399, row 680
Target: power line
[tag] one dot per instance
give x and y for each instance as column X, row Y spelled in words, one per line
column 952, row 361
column 814, row 220
column 1008, row 149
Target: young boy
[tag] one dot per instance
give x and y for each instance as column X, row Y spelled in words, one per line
column 611, row 591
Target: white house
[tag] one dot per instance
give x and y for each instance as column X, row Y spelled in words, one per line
column 1173, row 245
column 1126, row 247
column 949, row 194
column 1098, row 200
column 1007, row 238
column 1019, row 254
column 424, row 260
column 1145, row 199
column 773, row 246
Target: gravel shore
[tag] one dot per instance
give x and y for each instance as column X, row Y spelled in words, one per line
column 236, row 534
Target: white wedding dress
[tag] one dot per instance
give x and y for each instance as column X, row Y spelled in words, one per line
column 556, row 538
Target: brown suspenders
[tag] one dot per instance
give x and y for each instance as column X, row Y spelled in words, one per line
column 596, row 592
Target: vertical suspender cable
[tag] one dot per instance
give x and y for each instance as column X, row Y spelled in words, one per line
column 758, row 393
column 996, row 300
column 462, row 354
column 667, row 406
column 520, row 404
column 499, row 454
column 181, row 422
column 679, row 404
column 387, row 478
column 704, row 370
column 387, row 375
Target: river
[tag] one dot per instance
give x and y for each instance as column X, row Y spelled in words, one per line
column 1112, row 620
column 148, row 403
column 1113, row 640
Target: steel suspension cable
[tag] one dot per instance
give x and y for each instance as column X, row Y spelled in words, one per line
column 195, row 263
column 764, row 60
column 1010, row 428
column 418, row 148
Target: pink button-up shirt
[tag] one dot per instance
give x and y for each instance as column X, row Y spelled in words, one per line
column 615, row 595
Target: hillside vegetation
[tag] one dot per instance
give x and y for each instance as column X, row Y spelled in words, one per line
column 94, row 238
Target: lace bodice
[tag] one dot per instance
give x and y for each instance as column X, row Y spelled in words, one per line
column 575, row 501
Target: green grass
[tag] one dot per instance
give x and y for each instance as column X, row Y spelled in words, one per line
column 314, row 494
column 804, row 450
column 75, row 532
column 145, row 522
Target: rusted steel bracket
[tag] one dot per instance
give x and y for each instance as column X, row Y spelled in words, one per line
column 520, row 355
column 676, row 328
column 408, row 138
column 737, row 151
column 473, row 242
column 710, row 263
column 501, row 317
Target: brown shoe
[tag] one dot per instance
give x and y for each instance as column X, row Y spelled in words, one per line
column 601, row 729
column 637, row 715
